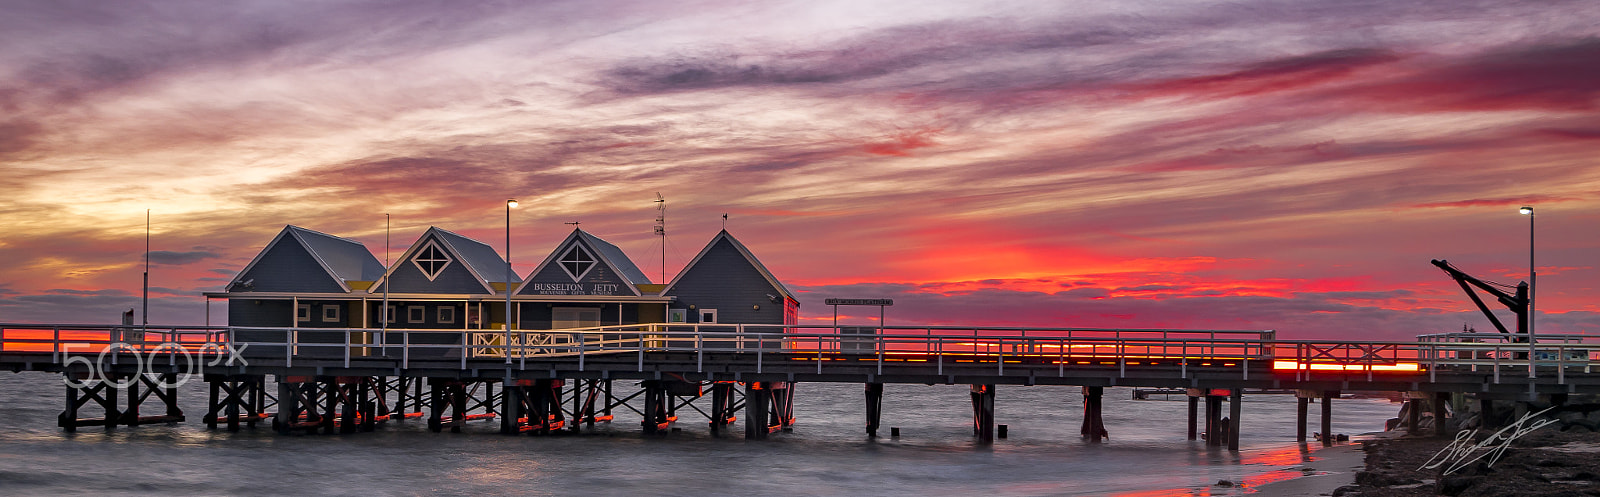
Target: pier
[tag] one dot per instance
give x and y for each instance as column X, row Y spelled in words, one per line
column 547, row 381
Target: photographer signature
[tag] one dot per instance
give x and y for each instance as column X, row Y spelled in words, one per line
column 1462, row 451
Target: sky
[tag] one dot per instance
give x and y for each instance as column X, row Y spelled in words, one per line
column 1286, row 165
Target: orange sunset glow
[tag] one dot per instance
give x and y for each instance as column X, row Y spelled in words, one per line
column 1225, row 165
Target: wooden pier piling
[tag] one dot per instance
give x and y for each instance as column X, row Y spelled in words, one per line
column 757, row 402
column 1094, row 426
column 874, row 392
column 983, row 413
column 1194, row 408
column 1235, row 409
column 1327, row 416
column 1302, row 398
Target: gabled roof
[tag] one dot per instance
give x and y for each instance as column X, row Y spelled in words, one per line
column 478, row 255
column 619, row 261
column 608, row 254
column 724, row 235
column 480, row 259
column 347, row 259
column 342, row 258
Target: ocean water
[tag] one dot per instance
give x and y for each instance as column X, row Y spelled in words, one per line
column 827, row 453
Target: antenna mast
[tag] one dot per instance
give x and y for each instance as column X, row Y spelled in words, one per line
column 661, row 231
column 145, row 314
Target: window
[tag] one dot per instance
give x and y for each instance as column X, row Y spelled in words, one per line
column 330, row 313
column 708, row 315
column 303, row 314
column 431, row 260
column 562, row 318
column 388, row 315
column 416, row 314
column 447, row 314
column 576, row 262
column 677, row 315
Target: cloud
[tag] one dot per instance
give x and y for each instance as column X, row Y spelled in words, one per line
column 1498, row 202
column 1307, row 315
column 171, row 258
column 89, row 293
column 1562, row 76
column 1273, row 76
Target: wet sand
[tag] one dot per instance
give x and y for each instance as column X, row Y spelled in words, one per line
column 1332, row 467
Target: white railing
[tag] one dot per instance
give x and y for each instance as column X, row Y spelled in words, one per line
column 828, row 346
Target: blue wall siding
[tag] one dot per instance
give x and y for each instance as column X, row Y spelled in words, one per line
column 599, row 275
column 289, row 267
column 455, row 278
column 724, row 280
column 264, row 313
column 430, row 315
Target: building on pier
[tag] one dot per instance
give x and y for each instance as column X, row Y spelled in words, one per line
column 447, row 281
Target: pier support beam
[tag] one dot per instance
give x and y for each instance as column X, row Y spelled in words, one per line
column 983, row 413
column 874, row 408
column 102, row 392
column 1235, row 408
column 723, row 412
column 1094, row 425
column 1327, row 416
column 1194, row 408
column 165, row 388
column 1214, row 427
column 234, row 398
column 656, row 404
column 1413, row 411
column 1302, row 398
column 1486, row 418
column 1440, row 427
column 513, row 407
column 757, row 401
column 447, row 395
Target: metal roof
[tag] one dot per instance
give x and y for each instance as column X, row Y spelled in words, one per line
column 478, row 255
column 618, row 259
column 346, row 259
column 760, row 268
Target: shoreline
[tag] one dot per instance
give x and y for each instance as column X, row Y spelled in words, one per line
column 1330, row 468
column 1546, row 462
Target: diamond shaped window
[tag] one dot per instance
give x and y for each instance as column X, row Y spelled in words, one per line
column 576, row 262
column 431, row 260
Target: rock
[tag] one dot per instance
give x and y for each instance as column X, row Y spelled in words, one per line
column 1455, row 485
column 1371, row 479
column 1224, row 483
column 1347, row 490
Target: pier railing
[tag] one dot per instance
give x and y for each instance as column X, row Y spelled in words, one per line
column 1553, row 355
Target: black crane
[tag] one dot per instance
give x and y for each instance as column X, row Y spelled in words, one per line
column 1518, row 303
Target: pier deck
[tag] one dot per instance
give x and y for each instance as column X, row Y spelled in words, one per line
column 772, row 358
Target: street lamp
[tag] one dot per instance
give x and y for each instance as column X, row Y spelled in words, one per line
column 510, row 204
column 1533, row 280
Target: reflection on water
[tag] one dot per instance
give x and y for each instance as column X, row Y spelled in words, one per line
column 826, row 454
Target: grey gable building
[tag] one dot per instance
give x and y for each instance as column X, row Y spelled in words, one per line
column 725, row 283
column 447, row 281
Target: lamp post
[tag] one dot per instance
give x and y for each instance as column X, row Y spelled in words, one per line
column 1533, row 281
column 510, row 203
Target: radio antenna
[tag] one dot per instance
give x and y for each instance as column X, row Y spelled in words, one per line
column 661, row 232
